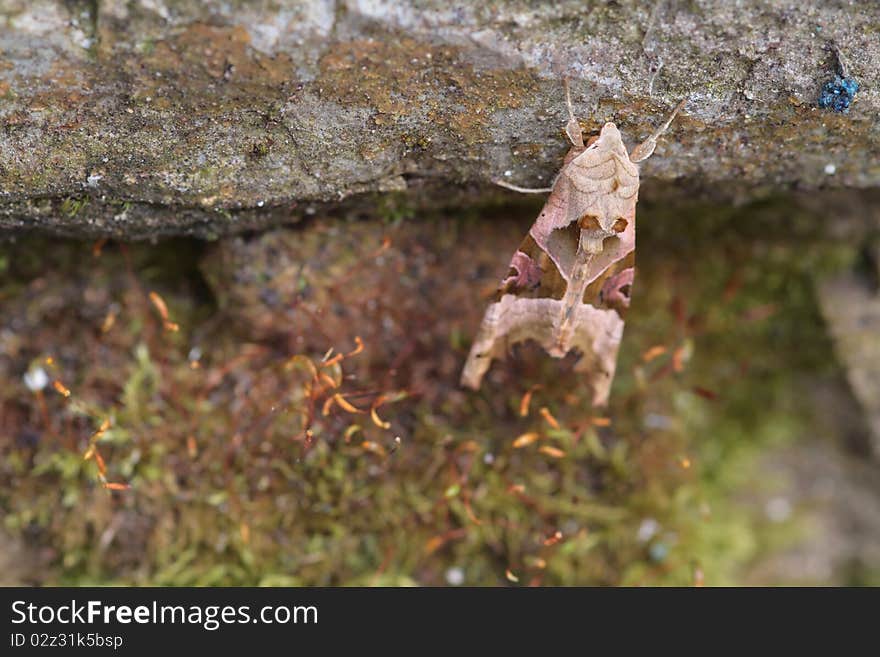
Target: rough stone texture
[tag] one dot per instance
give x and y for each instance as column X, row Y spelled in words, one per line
column 851, row 306
column 837, row 504
column 18, row 565
column 147, row 117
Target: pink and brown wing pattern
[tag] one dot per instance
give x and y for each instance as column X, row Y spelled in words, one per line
column 568, row 284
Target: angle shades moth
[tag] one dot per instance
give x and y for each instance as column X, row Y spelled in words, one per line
column 568, row 284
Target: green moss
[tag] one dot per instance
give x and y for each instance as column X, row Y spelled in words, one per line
column 72, row 206
column 395, row 208
column 147, row 46
column 208, row 424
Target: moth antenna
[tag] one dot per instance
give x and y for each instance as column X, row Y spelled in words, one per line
column 841, row 61
column 568, row 102
column 523, row 190
column 573, row 128
column 644, row 150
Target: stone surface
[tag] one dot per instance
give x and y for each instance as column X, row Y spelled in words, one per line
column 18, row 565
column 851, row 306
column 835, row 500
column 149, row 117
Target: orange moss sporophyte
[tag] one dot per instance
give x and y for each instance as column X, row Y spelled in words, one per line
column 548, row 417
column 553, row 452
column 526, row 400
column 60, row 388
column 653, row 352
column 526, row 439
column 162, row 308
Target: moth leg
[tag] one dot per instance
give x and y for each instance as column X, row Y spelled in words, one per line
column 573, row 128
column 575, row 136
column 841, row 61
column 644, row 150
column 523, row 190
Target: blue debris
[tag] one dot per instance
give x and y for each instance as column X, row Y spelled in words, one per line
column 837, row 94
column 658, row 551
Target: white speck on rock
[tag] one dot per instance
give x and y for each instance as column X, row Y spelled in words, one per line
column 830, row 169
column 158, row 7
column 778, row 509
column 455, row 576
column 647, row 529
column 36, row 379
column 657, row 421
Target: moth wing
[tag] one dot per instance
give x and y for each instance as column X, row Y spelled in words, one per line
column 597, row 337
column 506, row 322
column 599, row 181
column 550, row 230
column 512, row 319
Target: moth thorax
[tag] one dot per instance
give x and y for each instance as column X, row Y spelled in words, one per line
column 608, row 225
column 589, row 222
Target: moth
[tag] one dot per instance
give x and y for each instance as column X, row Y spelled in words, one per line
column 568, row 285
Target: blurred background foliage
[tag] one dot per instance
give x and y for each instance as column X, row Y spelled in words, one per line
column 295, row 419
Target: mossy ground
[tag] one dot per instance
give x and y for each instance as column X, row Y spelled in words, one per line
column 245, row 468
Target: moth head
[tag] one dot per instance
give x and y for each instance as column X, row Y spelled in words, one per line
column 609, row 139
column 609, row 135
column 610, row 130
